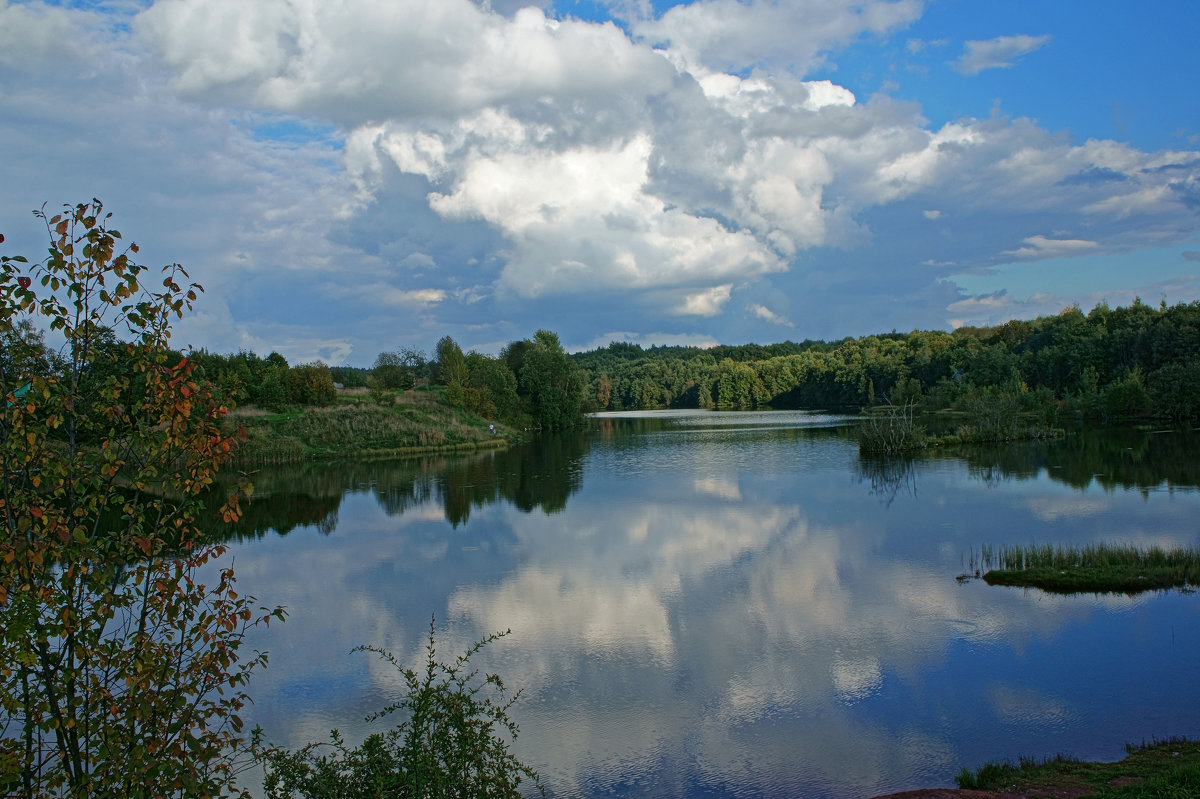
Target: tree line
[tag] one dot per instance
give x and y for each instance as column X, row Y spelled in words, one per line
column 1111, row 363
column 532, row 382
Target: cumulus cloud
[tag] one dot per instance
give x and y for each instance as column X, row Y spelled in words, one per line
column 999, row 53
column 494, row 164
column 1191, row 255
column 705, row 303
column 366, row 59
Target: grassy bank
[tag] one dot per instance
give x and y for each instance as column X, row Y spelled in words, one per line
column 360, row 425
column 1169, row 768
column 1096, row 569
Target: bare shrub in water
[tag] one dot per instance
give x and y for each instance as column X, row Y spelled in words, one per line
column 891, row 429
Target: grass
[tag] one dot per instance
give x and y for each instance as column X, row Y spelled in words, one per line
column 1103, row 568
column 1161, row 768
column 411, row 423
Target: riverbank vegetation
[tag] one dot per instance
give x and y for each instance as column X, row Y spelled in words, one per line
column 531, row 385
column 1103, row 568
column 1110, row 364
column 1166, row 768
column 386, row 424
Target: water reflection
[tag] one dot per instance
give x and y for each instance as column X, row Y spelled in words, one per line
column 1111, row 459
column 887, row 475
column 540, row 477
column 709, row 607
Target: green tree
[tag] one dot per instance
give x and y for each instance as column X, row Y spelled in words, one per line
column 23, row 352
column 1175, row 390
column 349, row 376
column 390, row 371
column 514, row 355
column 310, row 384
column 120, row 671
column 495, row 383
column 451, row 365
column 604, row 390
column 552, row 382
column 737, row 385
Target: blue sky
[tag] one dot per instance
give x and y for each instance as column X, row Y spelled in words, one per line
column 1108, row 70
column 356, row 177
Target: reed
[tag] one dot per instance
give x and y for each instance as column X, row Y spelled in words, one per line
column 1101, row 568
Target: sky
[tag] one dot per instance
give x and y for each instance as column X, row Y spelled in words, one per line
column 351, row 177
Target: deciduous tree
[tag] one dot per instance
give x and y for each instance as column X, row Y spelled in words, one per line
column 120, row 669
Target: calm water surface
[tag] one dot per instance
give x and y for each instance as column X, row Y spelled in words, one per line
column 735, row 604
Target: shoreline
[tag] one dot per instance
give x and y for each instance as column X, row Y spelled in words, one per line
column 1166, row 767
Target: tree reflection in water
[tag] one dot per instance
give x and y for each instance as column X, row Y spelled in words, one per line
column 1113, row 459
column 531, row 477
column 887, row 475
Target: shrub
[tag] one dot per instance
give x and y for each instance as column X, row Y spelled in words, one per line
column 891, row 429
column 452, row 742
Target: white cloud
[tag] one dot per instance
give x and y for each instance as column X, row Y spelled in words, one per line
column 1135, row 202
column 367, row 59
column 915, row 46
column 763, row 312
column 383, row 294
column 33, row 34
column 705, row 303
column 728, row 35
column 582, row 217
column 1001, row 52
column 1037, row 247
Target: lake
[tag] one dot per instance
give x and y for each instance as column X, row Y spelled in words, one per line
column 709, row 604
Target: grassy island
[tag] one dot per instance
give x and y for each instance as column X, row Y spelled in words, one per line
column 1098, row 569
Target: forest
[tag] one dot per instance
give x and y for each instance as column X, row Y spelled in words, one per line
column 1110, row 364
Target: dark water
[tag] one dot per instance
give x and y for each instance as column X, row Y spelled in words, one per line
column 710, row 604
